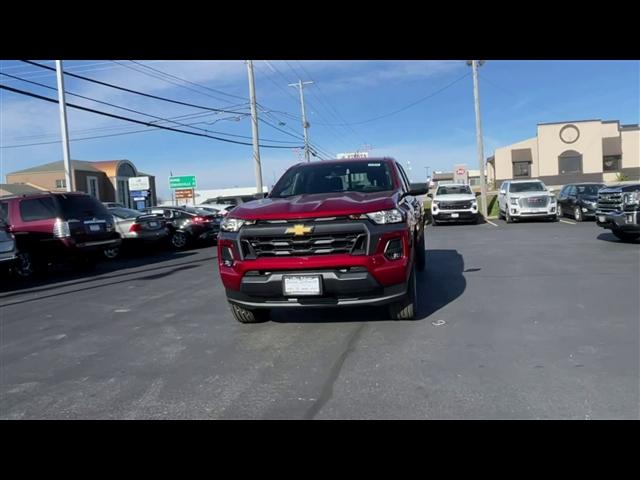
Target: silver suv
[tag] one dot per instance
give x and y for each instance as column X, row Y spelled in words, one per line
column 526, row 199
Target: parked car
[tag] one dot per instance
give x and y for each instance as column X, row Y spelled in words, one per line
column 220, row 208
column 619, row 211
column 188, row 225
column 136, row 227
column 58, row 226
column 579, row 200
column 519, row 199
column 113, row 205
column 453, row 203
column 330, row 234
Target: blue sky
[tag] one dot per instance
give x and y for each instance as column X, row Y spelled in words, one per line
column 437, row 132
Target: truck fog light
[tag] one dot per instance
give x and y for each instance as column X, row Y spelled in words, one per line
column 630, row 218
column 514, row 210
column 393, row 250
column 584, row 210
column 227, row 256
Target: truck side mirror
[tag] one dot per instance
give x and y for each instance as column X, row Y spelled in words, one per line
column 430, row 195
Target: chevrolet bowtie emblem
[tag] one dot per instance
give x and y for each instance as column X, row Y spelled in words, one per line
column 299, row 230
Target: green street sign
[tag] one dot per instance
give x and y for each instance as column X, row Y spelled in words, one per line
column 188, row 181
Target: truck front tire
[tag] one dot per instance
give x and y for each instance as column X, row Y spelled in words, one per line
column 244, row 315
column 405, row 309
column 625, row 236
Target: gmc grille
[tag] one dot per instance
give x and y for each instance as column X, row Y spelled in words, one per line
column 534, row 202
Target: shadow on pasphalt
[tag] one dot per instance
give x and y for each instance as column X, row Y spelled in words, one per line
column 440, row 284
column 610, row 237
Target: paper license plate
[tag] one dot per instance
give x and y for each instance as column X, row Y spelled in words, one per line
column 94, row 228
column 455, row 215
column 601, row 218
column 301, row 285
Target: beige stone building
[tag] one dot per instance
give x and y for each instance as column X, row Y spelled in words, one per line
column 108, row 181
column 568, row 152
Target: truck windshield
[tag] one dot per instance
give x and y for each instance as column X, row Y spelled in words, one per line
column 334, row 177
column 527, row 187
column 454, row 190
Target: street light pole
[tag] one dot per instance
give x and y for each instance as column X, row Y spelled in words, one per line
column 476, row 95
column 305, row 124
column 63, row 128
column 254, row 129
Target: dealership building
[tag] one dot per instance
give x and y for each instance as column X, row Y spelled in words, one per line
column 568, row 152
column 108, row 180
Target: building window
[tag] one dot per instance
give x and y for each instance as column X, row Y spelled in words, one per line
column 521, row 169
column 61, row 183
column 92, row 187
column 611, row 163
column 570, row 162
column 473, row 181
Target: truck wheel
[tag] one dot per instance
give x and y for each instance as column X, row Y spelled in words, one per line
column 405, row 309
column 626, row 236
column 500, row 214
column 421, row 254
column 244, row 315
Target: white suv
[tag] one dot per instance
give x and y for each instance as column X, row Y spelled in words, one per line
column 454, row 202
column 526, row 199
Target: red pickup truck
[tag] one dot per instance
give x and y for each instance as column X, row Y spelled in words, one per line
column 330, row 234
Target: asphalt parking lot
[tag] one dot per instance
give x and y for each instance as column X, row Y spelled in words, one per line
column 520, row 321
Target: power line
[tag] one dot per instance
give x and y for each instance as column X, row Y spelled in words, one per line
column 117, row 87
column 164, row 79
column 98, row 112
column 190, row 82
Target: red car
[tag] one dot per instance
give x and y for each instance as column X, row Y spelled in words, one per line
column 330, row 234
column 52, row 226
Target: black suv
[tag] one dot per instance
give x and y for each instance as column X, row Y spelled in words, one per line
column 52, row 226
column 188, row 225
column 579, row 200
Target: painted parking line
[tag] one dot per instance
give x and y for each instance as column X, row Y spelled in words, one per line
column 566, row 221
column 494, row 224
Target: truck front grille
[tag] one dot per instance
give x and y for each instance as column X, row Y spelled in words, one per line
column 609, row 202
column 461, row 205
column 325, row 238
column 534, row 202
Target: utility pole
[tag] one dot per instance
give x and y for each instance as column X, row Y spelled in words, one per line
column 254, row 129
column 305, row 124
column 476, row 95
column 63, row 128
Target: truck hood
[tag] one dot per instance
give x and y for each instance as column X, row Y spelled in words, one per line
column 459, row 197
column 315, row 205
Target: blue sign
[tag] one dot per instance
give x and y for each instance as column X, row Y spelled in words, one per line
column 139, row 193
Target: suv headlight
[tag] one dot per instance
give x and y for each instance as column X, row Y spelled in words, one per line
column 552, row 199
column 514, row 201
column 234, row 224
column 386, row 216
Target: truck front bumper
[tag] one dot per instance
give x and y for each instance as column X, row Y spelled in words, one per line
column 340, row 287
column 619, row 220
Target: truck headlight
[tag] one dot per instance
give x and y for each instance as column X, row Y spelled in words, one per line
column 386, row 216
column 631, row 198
column 514, row 201
column 234, row 224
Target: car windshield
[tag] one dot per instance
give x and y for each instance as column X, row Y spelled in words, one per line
column 124, row 212
column 454, row 190
column 527, row 187
column 334, row 177
column 78, row 206
column 589, row 189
